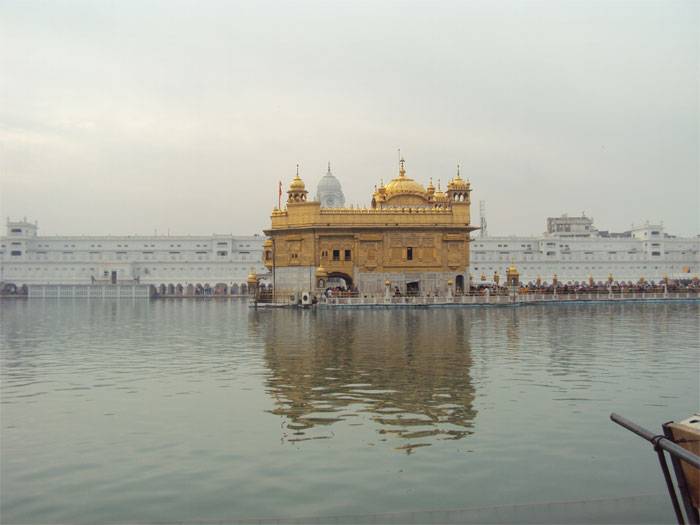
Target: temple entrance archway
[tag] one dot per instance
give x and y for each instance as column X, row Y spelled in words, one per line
column 339, row 279
column 459, row 281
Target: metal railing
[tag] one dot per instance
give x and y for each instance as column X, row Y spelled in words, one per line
column 662, row 444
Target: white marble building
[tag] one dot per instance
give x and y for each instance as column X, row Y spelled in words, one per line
column 574, row 250
column 571, row 248
column 172, row 262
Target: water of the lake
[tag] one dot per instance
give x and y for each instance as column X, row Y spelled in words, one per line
column 161, row 411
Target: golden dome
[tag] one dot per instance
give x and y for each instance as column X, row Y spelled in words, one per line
column 297, row 184
column 403, row 184
column 512, row 269
column 267, row 243
column 430, row 189
column 252, row 278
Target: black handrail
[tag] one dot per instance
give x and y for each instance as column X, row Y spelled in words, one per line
column 662, row 443
column 657, row 440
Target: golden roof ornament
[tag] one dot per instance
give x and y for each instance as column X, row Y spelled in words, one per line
column 457, row 183
column 440, row 195
column 297, row 189
column 297, row 184
column 403, row 184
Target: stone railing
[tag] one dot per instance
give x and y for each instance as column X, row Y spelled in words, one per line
column 503, row 299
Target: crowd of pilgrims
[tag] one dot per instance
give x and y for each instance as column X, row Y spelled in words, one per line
column 576, row 287
column 590, row 286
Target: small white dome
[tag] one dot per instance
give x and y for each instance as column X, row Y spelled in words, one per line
column 329, row 192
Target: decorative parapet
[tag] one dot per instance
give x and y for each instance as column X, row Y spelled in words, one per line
column 386, row 211
column 378, row 211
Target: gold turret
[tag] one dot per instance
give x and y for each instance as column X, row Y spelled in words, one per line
column 440, row 197
column 430, row 190
column 458, row 189
column 252, row 279
column 297, row 189
column 512, row 275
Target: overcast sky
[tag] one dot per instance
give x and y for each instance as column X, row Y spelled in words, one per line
column 126, row 117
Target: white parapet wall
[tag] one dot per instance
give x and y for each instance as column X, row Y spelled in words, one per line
column 88, row 291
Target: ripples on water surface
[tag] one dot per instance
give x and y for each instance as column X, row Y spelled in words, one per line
column 203, row 410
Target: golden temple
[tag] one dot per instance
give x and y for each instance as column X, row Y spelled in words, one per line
column 411, row 238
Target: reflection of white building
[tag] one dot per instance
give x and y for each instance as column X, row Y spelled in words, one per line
column 329, row 192
column 27, row 258
column 574, row 250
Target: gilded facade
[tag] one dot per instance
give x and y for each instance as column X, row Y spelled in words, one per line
column 411, row 238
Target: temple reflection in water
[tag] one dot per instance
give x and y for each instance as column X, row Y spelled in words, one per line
column 332, row 368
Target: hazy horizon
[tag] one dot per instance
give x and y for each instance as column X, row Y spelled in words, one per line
column 124, row 118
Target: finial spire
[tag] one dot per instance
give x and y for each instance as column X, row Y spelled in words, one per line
column 458, row 170
column 329, row 166
column 297, row 169
column 402, row 169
